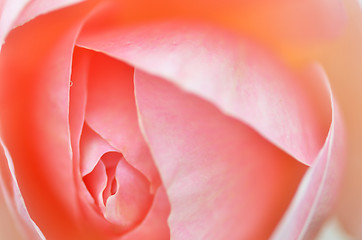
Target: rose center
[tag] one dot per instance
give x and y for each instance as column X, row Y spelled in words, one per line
column 120, row 192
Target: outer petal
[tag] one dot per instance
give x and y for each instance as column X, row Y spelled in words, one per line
column 319, row 189
column 216, row 170
column 285, row 21
column 18, row 222
column 235, row 74
column 14, row 13
column 34, row 118
column 9, row 10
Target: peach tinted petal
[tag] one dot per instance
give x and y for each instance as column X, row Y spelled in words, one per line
column 285, row 21
column 154, row 226
column 14, row 13
column 16, row 218
column 77, row 99
column 34, row 8
column 34, row 119
column 82, row 159
column 97, row 182
column 92, row 147
column 216, row 170
column 316, row 196
column 132, row 199
column 111, row 112
column 9, row 10
column 235, row 74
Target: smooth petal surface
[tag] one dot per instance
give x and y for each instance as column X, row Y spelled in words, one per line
column 96, row 182
column 154, row 226
column 235, row 74
column 14, row 13
column 86, row 151
column 111, row 112
column 18, row 222
column 316, row 196
column 215, row 169
column 284, row 21
column 132, row 198
column 34, row 119
column 92, row 147
column 9, row 10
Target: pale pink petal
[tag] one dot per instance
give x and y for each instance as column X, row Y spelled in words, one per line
column 92, row 147
column 319, row 189
column 233, row 73
column 9, row 11
column 154, row 226
column 111, row 112
column 216, row 170
column 132, row 200
column 34, row 118
column 34, row 8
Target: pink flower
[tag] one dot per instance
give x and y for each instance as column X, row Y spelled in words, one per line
column 158, row 120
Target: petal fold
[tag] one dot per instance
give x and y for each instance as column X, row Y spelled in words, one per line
column 316, row 197
column 34, row 123
column 111, row 112
column 216, row 170
column 240, row 77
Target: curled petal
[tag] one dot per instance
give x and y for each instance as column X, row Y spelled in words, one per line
column 34, row 121
column 18, row 221
column 319, row 188
column 235, row 74
column 111, row 109
column 132, row 198
column 14, row 13
column 92, row 147
column 215, row 169
column 154, row 226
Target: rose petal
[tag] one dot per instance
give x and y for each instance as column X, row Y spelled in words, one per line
column 14, row 13
column 239, row 77
column 34, row 8
column 18, row 221
column 319, row 189
column 96, row 182
column 216, row 170
column 132, row 200
column 111, row 112
column 282, row 21
column 86, row 150
column 92, row 147
column 34, row 119
column 154, row 226
column 9, row 10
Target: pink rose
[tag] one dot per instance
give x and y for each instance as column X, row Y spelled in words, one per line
column 161, row 119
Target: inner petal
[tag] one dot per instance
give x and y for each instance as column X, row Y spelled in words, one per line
column 217, row 171
column 121, row 193
column 132, row 198
column 111, row 109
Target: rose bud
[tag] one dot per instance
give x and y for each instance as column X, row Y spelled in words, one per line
column 167, row 120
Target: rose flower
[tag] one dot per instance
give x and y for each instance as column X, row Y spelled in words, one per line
column 163, row 119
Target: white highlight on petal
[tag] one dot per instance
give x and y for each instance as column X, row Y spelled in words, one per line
column 8, row 13
column 332, row 230
column 21, row 210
